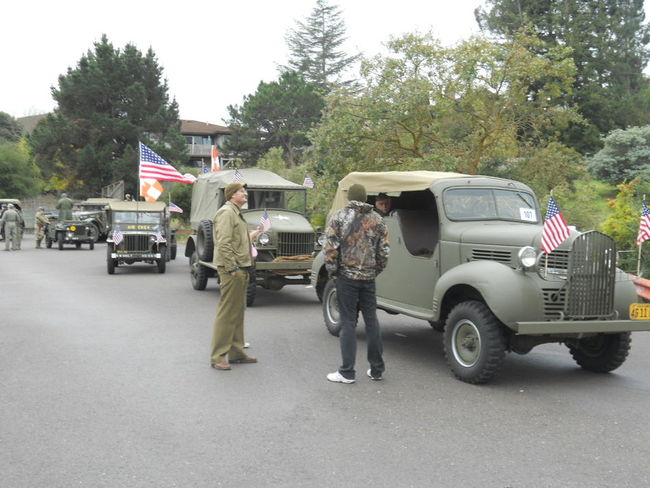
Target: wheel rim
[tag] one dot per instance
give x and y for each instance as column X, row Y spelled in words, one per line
column 466, row 343
column 333, row 308
column 194, row 268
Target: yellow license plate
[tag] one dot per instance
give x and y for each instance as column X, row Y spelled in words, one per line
column 640, row 311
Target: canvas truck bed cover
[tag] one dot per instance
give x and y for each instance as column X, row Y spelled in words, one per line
column 207, row 186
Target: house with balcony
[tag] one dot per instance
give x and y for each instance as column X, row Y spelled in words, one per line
column 200, row 137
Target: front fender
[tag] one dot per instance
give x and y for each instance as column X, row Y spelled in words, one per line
column 512, row 295
column 316, row 266
column 190, row 245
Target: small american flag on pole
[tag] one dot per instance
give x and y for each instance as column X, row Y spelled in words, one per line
column 265, row 221
column 237, row 178
column 308, row 183
column 174, row 208
column 644, row 225
column 160, row 238
column 154, row 167
column 556, row 229
column 117, row 236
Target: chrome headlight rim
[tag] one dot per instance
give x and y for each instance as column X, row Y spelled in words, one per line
column 264, row 239
column 527, row 257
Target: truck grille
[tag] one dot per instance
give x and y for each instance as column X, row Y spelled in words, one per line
column 554, row 302
column 491, row 255
column 135, row 243
column 591, row 277
column 293, row 244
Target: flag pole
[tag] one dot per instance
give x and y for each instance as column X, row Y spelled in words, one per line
column 638, row 259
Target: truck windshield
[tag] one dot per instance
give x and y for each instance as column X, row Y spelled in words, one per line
column 137, row 217
column 277, row 199
column 490, row 204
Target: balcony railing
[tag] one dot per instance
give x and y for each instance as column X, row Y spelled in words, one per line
column 199, row 150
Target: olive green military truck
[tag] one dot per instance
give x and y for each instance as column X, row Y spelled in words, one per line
column 139, row 232
column 285, row 251
column 75, row 231
column 465, row 255
column 93, row 210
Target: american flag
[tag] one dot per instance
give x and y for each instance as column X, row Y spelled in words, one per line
column 556, row 229
column 644, row 225
column 174, row 208
column 117, row 236
column 154, row 167
column 265, row 221
column 238, row 177
column 308, row 183
column 160, row 238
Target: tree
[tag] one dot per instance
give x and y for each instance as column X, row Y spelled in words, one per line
column 108, row 102
column 278, row 114
column 624, row 157
column 314, row 47
column 429, row 107
column 608, row 39
column 19, row 177
column 9, row 128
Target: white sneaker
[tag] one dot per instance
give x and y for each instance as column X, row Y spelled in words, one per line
column 337, row 377
column 373, row 378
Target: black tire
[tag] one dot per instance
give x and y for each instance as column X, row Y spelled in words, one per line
column 173, row 248
column 331, row 309
column 320, row 285
column 198, row 273
column 91, row 245
column 94, row 232
column 59, row 237
column 110, row 262
column 204, row 242
column 251, row 291
column 474, row 341
column 602, row 353
column 162, row 262
column 77, row 245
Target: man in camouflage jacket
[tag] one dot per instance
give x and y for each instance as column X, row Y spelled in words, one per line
column 356, row 251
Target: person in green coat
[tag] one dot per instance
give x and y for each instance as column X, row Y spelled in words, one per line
column 232, row 256
column 64, row 205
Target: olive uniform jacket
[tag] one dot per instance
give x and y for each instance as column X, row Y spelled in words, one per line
column 232, row 245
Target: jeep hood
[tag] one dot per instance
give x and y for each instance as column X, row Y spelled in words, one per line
column 281, row 221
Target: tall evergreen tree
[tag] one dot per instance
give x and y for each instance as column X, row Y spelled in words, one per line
column 609, row 40
column 108, row 102
column 9, row 128
column 314, row 47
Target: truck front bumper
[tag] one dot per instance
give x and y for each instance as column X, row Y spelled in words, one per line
column 580, row 326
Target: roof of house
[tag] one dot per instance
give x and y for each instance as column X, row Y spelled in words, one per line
column 196, row 127
column 27, row 124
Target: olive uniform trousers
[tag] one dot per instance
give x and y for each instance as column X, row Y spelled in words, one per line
column 228, row 335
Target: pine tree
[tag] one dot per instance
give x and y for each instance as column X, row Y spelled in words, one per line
column 314, row 47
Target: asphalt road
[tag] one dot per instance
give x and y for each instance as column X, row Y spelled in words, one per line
column 105, row 382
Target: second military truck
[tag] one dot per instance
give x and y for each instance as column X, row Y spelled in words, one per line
column 285, row 251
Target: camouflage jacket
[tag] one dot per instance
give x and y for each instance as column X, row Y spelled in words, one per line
column 356, row 243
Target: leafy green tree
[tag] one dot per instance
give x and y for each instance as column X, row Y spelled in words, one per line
column 19, row 177
column 9, row 128
column 608, row 39
column 429, row 107
column 278, row 114
column 625, row 156
column 112, row 99
column 314, row 47
column 623, row 221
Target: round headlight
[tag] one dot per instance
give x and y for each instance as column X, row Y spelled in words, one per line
column 264, row 238
column 321, row 239
column 527, row 257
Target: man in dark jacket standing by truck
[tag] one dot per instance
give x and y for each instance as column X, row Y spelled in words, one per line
column 232, row 256
column 356, row 251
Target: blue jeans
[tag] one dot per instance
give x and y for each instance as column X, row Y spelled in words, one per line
column 354, row 296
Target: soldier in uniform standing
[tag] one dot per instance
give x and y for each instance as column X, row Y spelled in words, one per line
column 11, row 219
column 232, row 256
column 40, row 224
column 64, row 205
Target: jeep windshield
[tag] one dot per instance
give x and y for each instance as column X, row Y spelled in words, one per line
column 277, row 199
column 490, row 204
column 137, row 218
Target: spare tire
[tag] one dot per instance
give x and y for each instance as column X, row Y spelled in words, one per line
column 204, row 242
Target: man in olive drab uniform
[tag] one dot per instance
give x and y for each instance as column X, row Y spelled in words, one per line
column 40, row 223
column 11, row 220
column 232, row 256
column 64, row 205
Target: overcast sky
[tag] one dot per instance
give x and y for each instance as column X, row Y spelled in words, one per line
column 213, row 53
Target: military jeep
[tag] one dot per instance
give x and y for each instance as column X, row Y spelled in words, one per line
column 73, row 231
column 465, row 255
column 139, row 232
column 94, row 210
column 285, row 251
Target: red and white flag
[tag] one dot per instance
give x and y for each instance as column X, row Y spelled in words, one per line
column 556, row 229
column 216, row 163
column 153, row 167
column 644, row 225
